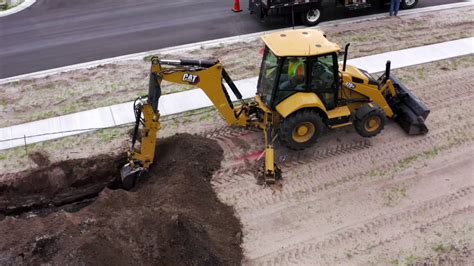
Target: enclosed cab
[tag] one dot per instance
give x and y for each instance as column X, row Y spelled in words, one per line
column 302, row 82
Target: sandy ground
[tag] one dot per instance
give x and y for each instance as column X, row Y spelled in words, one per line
column 60, row 94
column 349, row 200
column 392, row 199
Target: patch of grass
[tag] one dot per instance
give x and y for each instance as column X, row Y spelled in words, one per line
column 10, row 6
column 395, row 262
column 3, row 102
column 107, row 135
column 405, row 163
column 72, row 108
column 3, row 157
column 441, row 248
column 42, row 115
column 410, row 260
column 392, row 197
column 349, row 254
column 142, row 94
column 433, row 152
column 376, row 172
column 148, row 58
column 361, row 38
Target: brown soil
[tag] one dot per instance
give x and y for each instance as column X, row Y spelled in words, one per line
column 56, row 184
column 171, row 217
column 39, row 158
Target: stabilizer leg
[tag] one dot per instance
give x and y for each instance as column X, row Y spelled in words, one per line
column 270, row 171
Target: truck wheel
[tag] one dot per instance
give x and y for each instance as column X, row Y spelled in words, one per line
column 301, row 130
column 312, row 16
column 369, row 120
column 407, row 4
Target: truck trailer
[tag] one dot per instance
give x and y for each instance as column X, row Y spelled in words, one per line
column 310, row 11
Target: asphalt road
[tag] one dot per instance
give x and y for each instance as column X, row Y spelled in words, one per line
column 55, row 33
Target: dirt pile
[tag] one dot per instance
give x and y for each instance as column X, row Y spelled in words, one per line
column 171, row 217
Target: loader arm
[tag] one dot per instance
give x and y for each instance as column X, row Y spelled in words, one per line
column 209, row 76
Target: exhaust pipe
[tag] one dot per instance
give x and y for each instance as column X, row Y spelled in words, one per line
column 346, row 50
column 387, row 71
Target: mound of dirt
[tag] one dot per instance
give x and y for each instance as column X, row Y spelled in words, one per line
column 171, row 217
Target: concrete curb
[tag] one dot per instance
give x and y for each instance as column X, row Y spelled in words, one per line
column 18, row 8
column 211, row 43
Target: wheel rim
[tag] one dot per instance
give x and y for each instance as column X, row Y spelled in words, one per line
column 303, row 132
column 313, row 15
column 373, row 124
column 409, row 2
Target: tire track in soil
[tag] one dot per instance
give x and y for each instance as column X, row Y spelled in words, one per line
column 300, row 158
column 301, row 215
column 356, row 160
column 333, row 173
column 242, row 171
column 425, row 215
column 441, row 101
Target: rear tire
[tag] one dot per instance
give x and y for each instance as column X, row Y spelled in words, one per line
column 312, row 16
column 369, row 121
column 301, row 130
column 407, row 4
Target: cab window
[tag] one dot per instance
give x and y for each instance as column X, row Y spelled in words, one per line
column 323, row 79
column 268, row 74
column 293, row 74
column 292, row 78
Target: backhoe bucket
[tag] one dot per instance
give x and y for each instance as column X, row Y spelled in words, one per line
column 128, row 176
column 410, row 112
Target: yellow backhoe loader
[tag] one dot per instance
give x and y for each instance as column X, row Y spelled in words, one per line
column 301, row 90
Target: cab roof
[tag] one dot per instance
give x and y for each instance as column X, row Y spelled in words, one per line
column 303, row 42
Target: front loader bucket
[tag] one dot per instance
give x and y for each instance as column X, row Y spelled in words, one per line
column 410, row 112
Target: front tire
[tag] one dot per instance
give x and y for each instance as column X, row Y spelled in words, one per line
column 369, row 121
column 301, row 130
column 312, row 16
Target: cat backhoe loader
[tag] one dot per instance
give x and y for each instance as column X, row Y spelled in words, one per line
column 301, row 90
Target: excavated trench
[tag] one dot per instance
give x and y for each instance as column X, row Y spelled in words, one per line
column 65, row 185
column 63, row 213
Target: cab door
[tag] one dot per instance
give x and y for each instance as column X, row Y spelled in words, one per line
column 323, row 78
